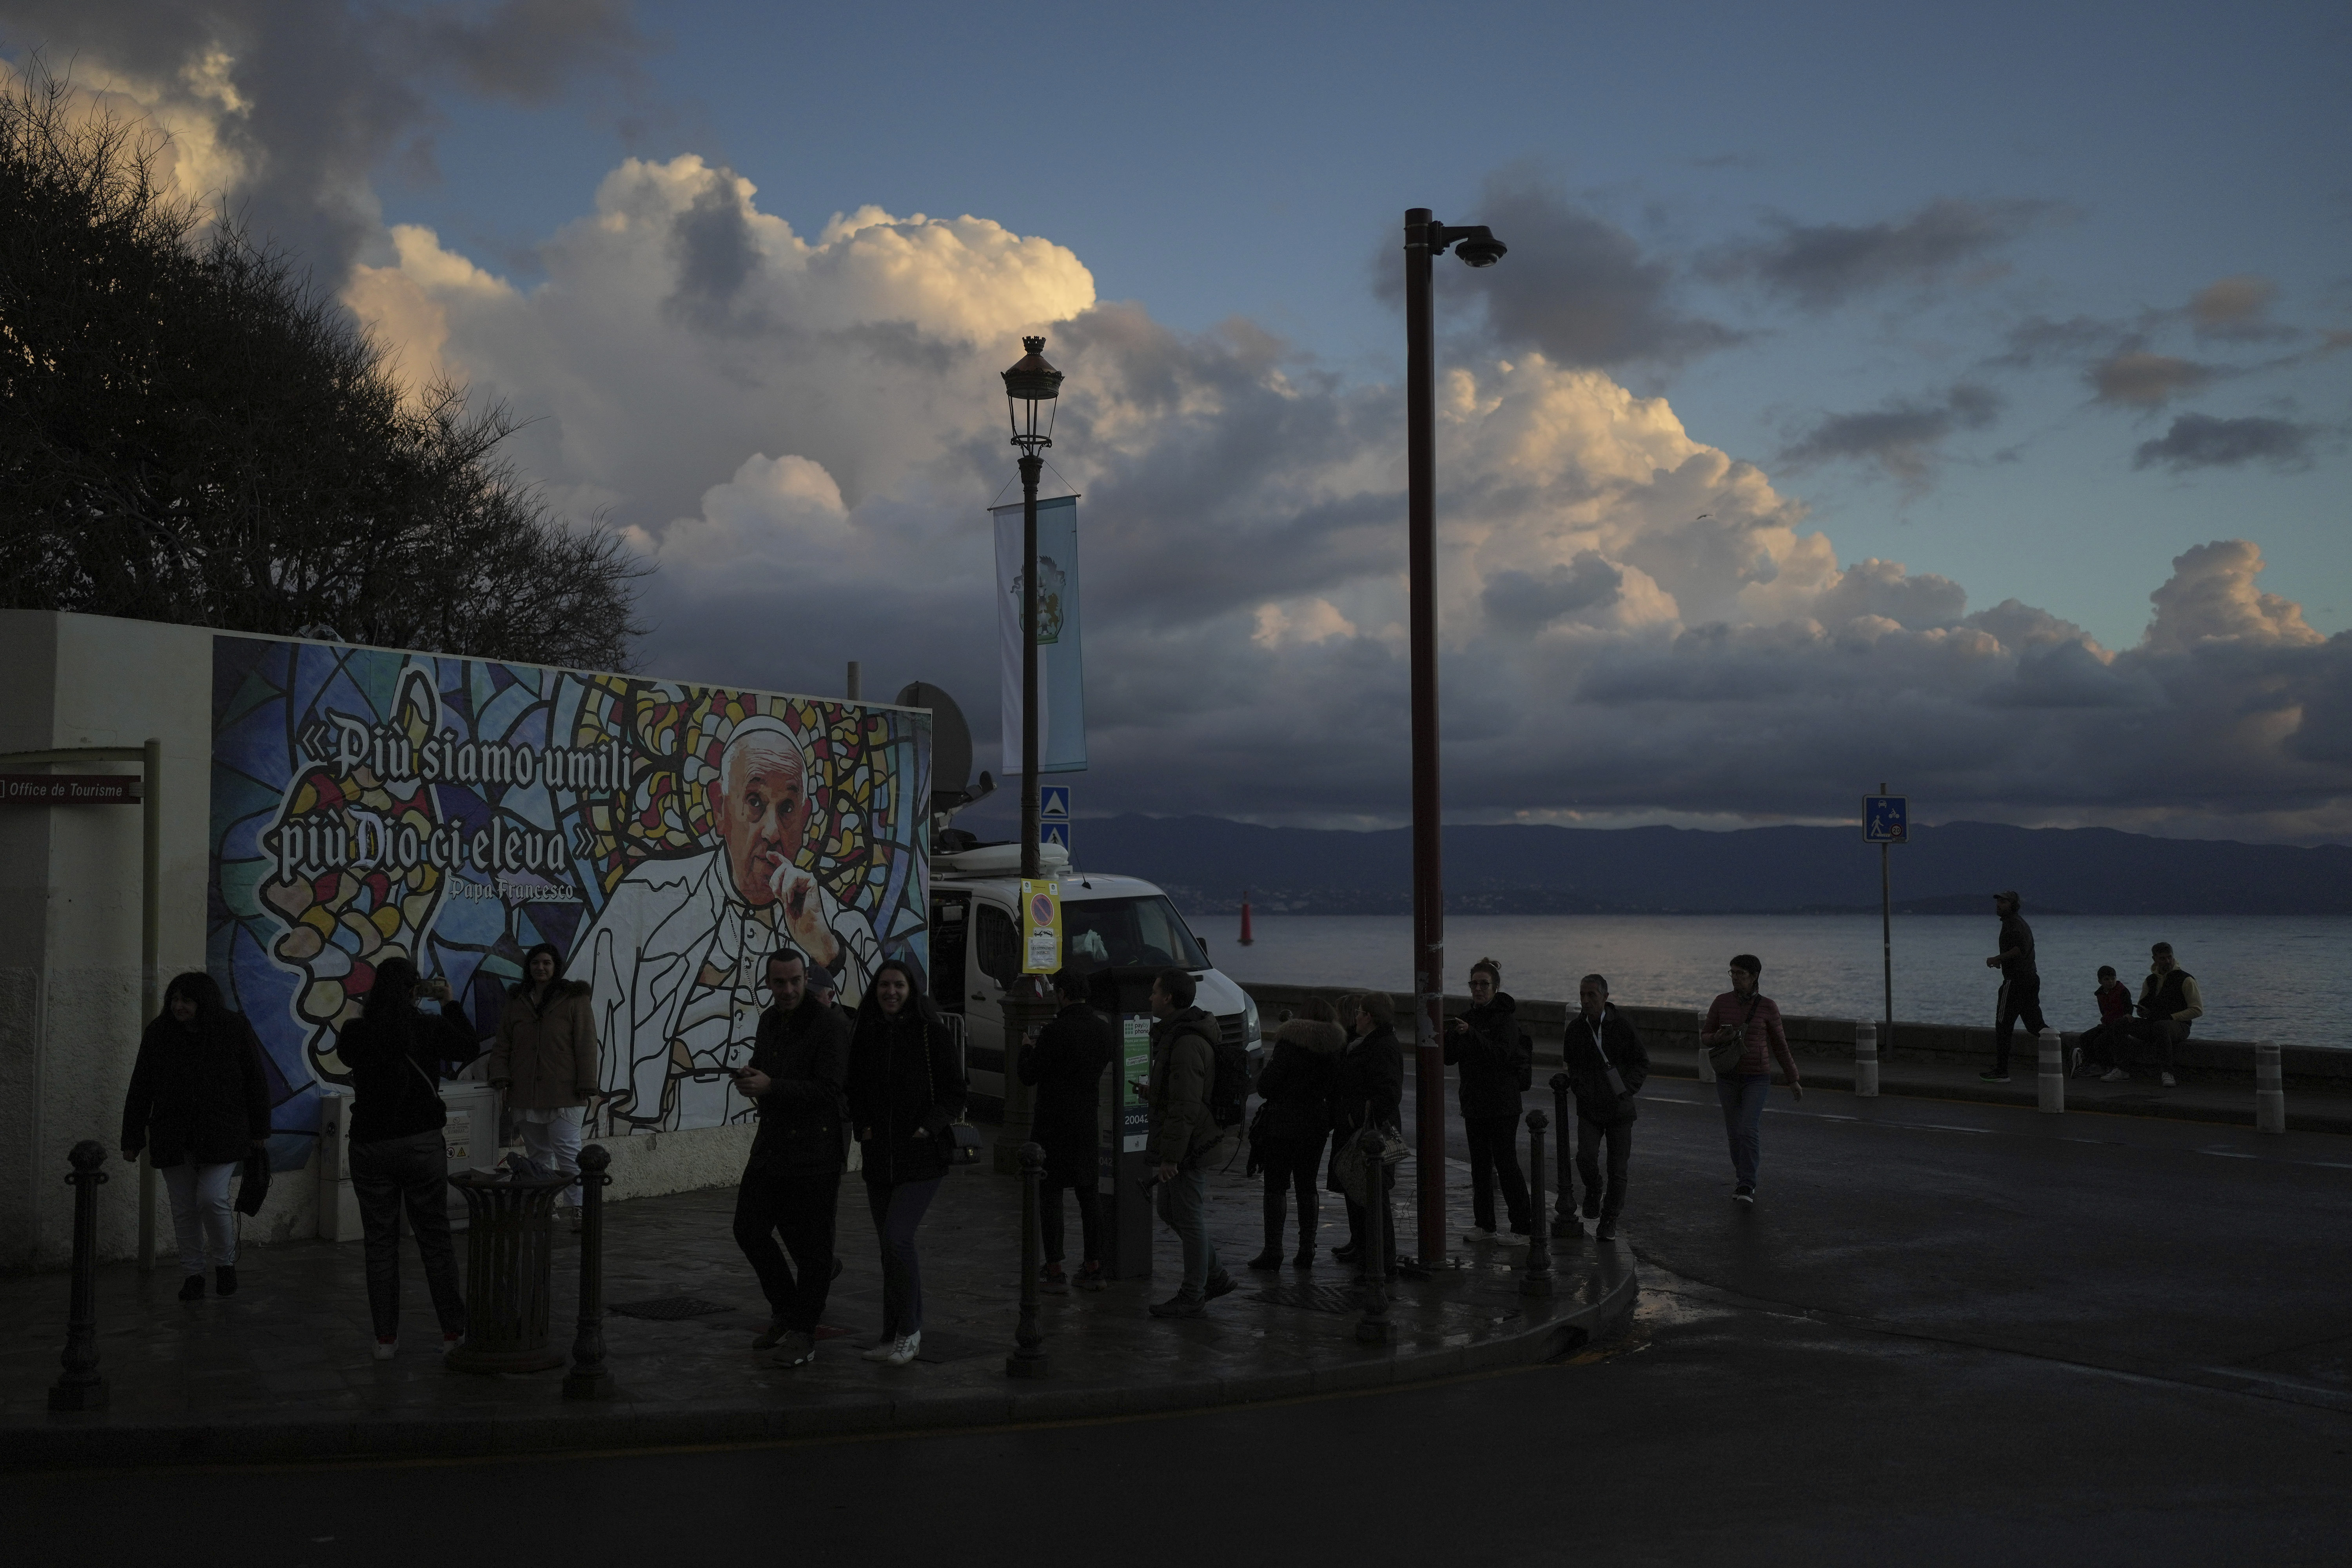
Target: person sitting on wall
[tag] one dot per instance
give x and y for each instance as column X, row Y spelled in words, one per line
column 2169, row 1003
column 2098, row 1049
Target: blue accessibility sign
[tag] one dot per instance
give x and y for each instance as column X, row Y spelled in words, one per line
column 1053, row 803
column 1885, row 820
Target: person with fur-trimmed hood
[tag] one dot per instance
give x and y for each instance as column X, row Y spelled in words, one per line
column 545, row 1060
column 1287, row 1138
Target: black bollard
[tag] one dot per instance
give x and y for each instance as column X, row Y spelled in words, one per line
column 1373, row 1330
column 1564, row 1222
column 1028, row 1359
column 1537, row 1282
column 589, row 1378
column 80, row 1387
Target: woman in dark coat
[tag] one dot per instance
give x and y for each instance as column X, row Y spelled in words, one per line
column 1367, row 1089
column 905, row 1090
column 1287, row 1138
column 394, row 1050
column 1483, row 1047
column 1065, row 1064
column 199, row 1103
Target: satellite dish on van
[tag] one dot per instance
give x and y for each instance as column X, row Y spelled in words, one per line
column 950, row 748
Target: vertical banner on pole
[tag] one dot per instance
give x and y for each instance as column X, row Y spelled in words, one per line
column 1061, row 682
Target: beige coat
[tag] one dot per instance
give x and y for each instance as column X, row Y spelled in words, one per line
column 547, row 1056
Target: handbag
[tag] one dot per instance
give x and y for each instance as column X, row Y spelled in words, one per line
column 253, row 1182
column 1352, row 1171
column 1725, row 1058
column 964, row 1143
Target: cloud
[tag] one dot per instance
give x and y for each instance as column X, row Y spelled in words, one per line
column 1820, row 266
column 1579, row 288
column 2145, row 380
column 2203, row 441
column 288, row 107
column 2237, row 308
column 1902, row 437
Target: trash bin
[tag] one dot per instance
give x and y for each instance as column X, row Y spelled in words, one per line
column 509, row 1228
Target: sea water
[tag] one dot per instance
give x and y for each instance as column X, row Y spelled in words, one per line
column 2286, row 978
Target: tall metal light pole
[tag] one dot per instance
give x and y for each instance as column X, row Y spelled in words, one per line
column 1425, row 239
column 1029, row 384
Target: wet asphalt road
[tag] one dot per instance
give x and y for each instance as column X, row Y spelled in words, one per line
column 1945, row 1334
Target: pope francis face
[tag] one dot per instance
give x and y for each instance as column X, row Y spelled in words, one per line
column 764, row 812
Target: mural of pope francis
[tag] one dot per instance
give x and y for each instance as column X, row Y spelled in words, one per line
column 678, row 953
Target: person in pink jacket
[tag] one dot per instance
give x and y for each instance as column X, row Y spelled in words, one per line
column 1745, row 1013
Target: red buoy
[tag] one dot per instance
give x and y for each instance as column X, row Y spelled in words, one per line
column 1246, row 938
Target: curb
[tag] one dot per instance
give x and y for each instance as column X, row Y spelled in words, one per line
column 93, row 1440
column 2027, row 1100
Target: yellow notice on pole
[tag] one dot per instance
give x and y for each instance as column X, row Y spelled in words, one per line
column 1041, row 926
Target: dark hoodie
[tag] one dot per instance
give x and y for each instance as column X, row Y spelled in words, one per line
column 1369, row 1083
column 1494, row 1062
column 1296, row 1082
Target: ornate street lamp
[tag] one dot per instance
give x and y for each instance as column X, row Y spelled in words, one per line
column 1032, row 393
column 1030, row 387
column 1425, row 238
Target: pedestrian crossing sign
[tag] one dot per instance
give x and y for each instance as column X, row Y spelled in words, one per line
column 1054, row 833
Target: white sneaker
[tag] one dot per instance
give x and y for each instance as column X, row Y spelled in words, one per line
column 2114, row 1075
column 2166, row 1079
column 387, row 1349
column 904, row 1349
column 1475, row 1233
column 882, row 1351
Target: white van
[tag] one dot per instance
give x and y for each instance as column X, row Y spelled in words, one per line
column 1106, row 921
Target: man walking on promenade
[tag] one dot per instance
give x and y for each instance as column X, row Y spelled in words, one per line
column 2021, row 983
column 1186, row 1136
column 800, row 1060
column 2168, row 1003
column 1606, row 1066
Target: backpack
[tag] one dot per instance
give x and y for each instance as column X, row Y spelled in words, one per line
column 1228, row 1091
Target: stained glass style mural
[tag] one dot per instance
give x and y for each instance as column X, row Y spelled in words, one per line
column 369, row 802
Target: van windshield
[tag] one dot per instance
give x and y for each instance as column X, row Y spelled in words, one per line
column 1128, row 931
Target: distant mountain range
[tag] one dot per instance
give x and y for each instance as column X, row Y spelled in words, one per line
column 1206, row 862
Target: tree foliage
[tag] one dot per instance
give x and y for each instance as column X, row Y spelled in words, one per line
column 189, row 431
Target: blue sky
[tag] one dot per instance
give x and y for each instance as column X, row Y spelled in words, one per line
column 1218, row 161
column 1956, row 395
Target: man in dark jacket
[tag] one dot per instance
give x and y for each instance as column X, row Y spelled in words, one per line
column 792, row 1180
column 1490, row 1062
column 1185, row 1137
column 2021, row 983
column 1065, row 1064
column 1600, row 1041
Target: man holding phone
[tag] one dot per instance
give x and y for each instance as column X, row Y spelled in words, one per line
column 792, row 1183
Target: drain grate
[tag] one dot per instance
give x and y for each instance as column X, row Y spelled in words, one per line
column 667, row 1308
column 1339, row 1298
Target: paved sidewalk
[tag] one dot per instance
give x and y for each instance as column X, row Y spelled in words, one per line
column 283, row 1370
column 2229, row 1104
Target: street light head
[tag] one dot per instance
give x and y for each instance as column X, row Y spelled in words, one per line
column 1479, row 248
column 1031, row 382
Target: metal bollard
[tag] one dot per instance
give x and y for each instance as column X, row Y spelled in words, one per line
column 80, row 1387
column 2270, row 1089
column 1372, row 1329
column 589, row 1378
column 1028, row 1359
column 1564, row 1218
column 1537, row 1280
column 2053, row 1072
column 1865, row 1059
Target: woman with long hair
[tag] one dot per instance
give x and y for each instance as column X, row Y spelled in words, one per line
column 905, row 1091
column 394, row 1050
column 199, row 1103
column 1287, row 1141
